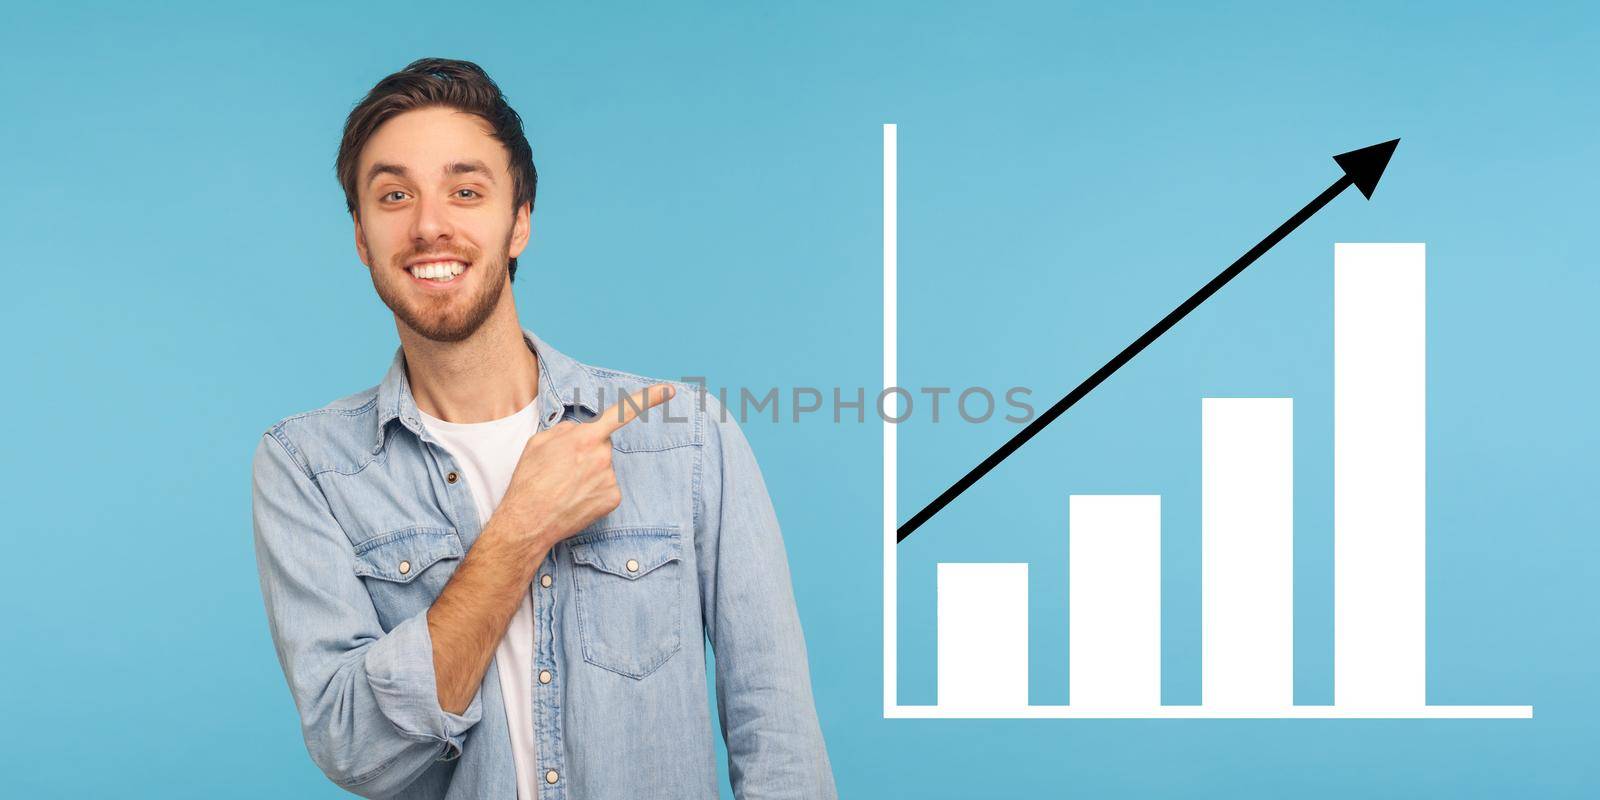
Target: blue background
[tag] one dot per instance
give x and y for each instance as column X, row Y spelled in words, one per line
column 183, row 275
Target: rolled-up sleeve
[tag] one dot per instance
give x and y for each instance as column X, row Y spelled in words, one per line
column 763, row 682
column 367, row 699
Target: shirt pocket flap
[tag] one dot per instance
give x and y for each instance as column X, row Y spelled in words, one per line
column 402, row 555
column 626, row 552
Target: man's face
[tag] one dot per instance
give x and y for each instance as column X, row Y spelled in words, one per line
column 435, row 193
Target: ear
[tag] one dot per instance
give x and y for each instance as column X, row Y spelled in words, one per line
column 520, row 230
column 361, row 241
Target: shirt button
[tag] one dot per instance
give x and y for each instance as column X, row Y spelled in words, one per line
column 551, row 776
column 544, row 580
column 633, row 566
column 405, row 567
column 452, row 477
column 544, row 676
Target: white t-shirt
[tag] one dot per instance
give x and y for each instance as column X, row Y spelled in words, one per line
column 487, row 454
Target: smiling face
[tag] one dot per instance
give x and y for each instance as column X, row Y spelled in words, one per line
column 435, row 223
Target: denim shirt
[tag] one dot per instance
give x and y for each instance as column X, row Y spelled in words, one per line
column 361, row 518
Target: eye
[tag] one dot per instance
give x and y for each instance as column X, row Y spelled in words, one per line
column 391, row 195
column 470, row 192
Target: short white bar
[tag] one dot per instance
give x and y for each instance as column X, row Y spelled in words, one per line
column 1247, row 552
column 983, row 635
column 1203, row 712
column 1114, row 600
column 1379, row 475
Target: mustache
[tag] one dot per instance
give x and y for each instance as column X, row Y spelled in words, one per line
column 442, row 255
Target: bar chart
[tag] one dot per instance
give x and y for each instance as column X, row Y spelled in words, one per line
column 1246, row 476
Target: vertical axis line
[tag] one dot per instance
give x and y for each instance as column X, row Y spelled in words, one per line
column 891, row 631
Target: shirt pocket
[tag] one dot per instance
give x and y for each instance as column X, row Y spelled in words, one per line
column 629, row 594
column 406, row 569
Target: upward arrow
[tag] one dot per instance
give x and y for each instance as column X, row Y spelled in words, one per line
column 1362, row 169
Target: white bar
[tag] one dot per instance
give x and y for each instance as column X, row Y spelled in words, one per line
column 983, row 636
column 1379, row 475
column 1247, row 552
column 891, row 569
column 1204, row 712
column 1114, row 600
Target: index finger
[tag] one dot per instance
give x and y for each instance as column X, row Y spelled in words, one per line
column 628, row 408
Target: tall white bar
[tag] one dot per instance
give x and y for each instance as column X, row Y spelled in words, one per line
column 983, row 636
column 1247, row 552
column 891, row 469
column 1379, row 465
column 1114, row 601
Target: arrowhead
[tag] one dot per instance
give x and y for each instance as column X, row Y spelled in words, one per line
column 1365, row 166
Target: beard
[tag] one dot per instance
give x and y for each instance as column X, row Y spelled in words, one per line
column 448, row 317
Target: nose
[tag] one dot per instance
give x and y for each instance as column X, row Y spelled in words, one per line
column 432, row 221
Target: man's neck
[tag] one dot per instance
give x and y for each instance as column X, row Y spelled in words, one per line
column 489, row 375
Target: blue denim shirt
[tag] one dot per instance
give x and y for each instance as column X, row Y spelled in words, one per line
column 361, row 518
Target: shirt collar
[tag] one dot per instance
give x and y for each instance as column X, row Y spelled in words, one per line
column 563, row 384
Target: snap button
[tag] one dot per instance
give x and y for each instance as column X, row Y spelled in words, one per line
column 452, row 477
column 544, row 580
column 544, row 676
column 633, row 566
column 405, row 567
column 551, row 776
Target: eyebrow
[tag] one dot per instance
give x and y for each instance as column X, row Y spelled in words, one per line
column 470, row 166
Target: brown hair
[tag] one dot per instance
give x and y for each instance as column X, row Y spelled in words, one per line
column 428, row 82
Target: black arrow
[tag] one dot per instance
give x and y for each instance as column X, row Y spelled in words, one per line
column 1362, row 169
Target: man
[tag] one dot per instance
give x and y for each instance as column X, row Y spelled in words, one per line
column 489, row 575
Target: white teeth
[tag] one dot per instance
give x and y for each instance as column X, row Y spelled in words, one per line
column 438, row 270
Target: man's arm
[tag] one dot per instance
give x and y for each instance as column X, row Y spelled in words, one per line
column 764, row 701
column 563, row 481
column 368, row 702
column 472, row 613
column 377, row 709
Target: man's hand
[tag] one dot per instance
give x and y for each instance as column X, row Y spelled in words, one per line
column 565, row 480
